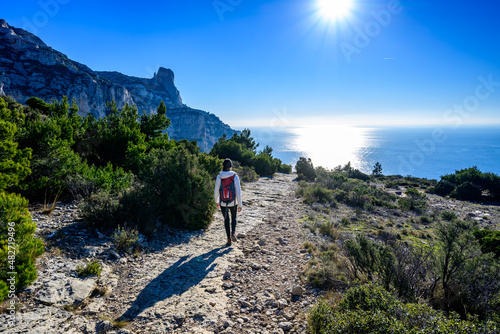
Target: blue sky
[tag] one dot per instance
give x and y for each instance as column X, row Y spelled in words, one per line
column 284, row 63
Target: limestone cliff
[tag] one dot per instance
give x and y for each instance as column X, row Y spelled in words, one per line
column 28, row 67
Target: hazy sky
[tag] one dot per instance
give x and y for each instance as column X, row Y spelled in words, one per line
column 285, row 62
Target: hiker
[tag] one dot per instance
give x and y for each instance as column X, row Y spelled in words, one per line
column 227, row 195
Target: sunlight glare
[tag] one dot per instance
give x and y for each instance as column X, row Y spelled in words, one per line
column 334, row 9
column 332, row 145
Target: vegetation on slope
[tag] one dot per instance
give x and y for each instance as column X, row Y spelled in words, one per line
column 123, row 169
column 444, row 266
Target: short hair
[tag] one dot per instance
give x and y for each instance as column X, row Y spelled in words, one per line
column 227, row 164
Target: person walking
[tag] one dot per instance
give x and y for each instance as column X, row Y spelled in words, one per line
column 227, row 195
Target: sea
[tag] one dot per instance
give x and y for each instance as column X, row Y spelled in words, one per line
column 426, row 152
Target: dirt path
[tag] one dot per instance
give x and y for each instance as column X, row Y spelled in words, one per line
column 184, row 283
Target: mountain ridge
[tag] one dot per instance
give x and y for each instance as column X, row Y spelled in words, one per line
column 29, row 67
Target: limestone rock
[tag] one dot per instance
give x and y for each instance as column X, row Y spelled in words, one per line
column 29, row 67
column 40, row 320
column 297, row 291
column 227, row 275
column 66, row 291
column 286, row 326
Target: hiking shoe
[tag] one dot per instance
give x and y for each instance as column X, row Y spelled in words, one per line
column 233, row 237
column 228, row 242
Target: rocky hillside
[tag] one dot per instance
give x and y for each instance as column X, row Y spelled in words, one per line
column 181, row 282
column 28, row 67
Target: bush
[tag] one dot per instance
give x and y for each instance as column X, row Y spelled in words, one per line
column 370, row 309
column 315, row 194
column 264, row 165
column 18, row 246
column 363, row 255
column 467, row 191
column 176, row 188
column 468, row 184
column 414, row 200
column 305, row 169
column 284, row 168
column 443, row 188
column 16, row 226
column 94, row 179
column 14, row 163
column 101, row 210
column 211, row 164
column 92, row 268
column 245, row 173
column 448, row 215
column 125, row 239
column 489, row 241
column 233, row 150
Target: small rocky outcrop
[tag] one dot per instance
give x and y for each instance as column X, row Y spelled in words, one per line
column 29, row 67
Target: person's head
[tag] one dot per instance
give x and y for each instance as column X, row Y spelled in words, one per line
column 226, row 165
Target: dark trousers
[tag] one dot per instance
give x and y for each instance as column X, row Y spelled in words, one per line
column 229, row 215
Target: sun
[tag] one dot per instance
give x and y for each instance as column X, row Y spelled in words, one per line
column 334, row 9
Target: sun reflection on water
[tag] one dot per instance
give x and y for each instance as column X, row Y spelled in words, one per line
column 330, row 146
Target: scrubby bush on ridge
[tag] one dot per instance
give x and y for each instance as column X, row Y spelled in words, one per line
column 468, row 184
column 371, row 309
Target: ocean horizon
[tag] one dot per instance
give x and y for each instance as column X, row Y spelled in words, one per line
column 425, row 151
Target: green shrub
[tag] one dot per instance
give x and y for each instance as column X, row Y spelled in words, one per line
column 426, row 220
column 284, row 168
column 92, row 268
column 264, row 165
column 448, row 215
column 305, row 169
column 101, row 210
column 329, row 229
column 489, row 241
column 125, row 239
column 443, row 188
column 14, row 163
column 233, row 150
column 468, row 184
column 414, row 200
column 94, row 179
column 357, row 174
column 317, row 194
column 176, row 188
column 370, row 309
column 16, row 225
column 246, row 174
column 18, row 246
column 211, row 164
column 363, row 255
column 467, row 191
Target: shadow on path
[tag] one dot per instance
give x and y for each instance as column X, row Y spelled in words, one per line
column 175, row 280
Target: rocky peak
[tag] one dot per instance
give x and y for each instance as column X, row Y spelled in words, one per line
column 165, row 78
column 19, row 37
column 28, row 67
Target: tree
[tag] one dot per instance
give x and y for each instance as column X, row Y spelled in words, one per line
column 16, row 227
column 377, row 169
column 245, row 139
column 305, row 169
column 457, row 247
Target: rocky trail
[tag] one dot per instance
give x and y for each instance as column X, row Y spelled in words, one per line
column 185, row 282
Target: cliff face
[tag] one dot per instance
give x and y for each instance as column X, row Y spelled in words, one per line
column 28, row 67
